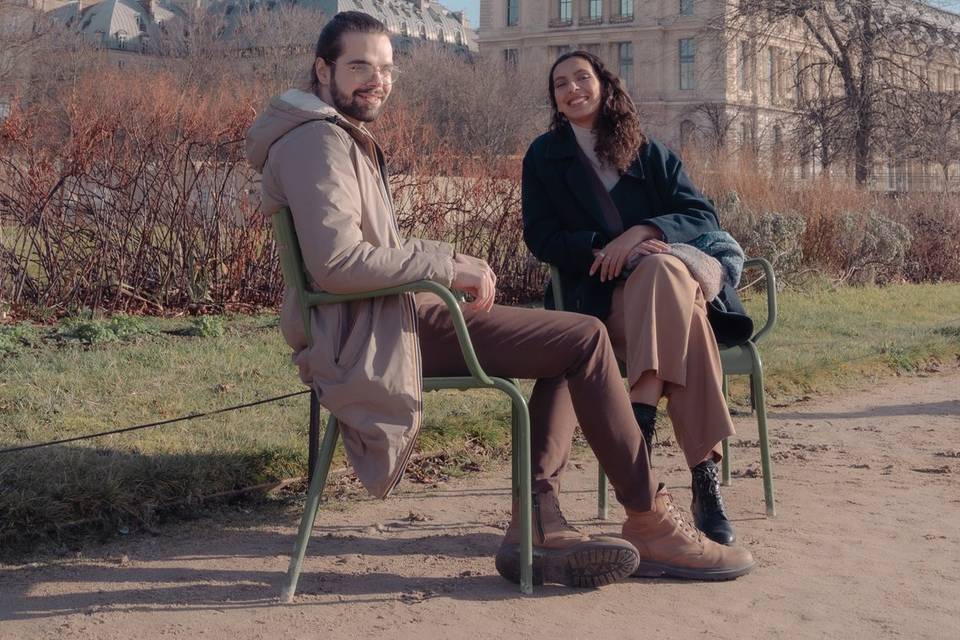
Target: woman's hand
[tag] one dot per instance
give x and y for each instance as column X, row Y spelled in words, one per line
column 610, row 260
column 475, row 277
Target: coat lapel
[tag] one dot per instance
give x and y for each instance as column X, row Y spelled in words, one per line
column 575, row 176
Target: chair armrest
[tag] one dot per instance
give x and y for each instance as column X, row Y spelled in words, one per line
column 312, row 299
column 294, row 276
column 557, row 290
column 771, row 295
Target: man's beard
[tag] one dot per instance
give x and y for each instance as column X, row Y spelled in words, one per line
column 350, row 105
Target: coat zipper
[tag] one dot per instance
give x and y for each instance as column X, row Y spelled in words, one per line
column 408, row 301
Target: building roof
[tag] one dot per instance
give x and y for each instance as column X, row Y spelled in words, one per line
column 130, row 24
column 118, row 24
column 413, row 19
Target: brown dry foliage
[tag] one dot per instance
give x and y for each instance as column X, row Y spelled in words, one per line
column 132, row 197
column 127, row 191
column 827, row 207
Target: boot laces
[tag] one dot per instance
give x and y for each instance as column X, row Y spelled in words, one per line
column 708, row 480
column 688, row 529
column 560, row 516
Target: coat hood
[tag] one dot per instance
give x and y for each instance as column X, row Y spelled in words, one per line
column 284, row 113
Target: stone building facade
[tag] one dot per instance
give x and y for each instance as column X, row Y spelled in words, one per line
column 694, row 78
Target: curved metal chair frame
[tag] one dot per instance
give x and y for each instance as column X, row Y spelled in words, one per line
column 741, row 360
column 321, row 454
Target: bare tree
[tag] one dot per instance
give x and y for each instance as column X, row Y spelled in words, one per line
column 719, row 120
column 861, row 49
column 23, row 33
column 925, row 126
column 485, row 104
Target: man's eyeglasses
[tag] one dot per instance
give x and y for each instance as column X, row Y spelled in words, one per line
column 365, row 72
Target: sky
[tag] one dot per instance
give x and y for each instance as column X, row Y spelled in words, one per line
column 471, row 7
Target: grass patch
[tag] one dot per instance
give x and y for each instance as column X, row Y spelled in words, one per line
column 90, row 374
column 829, row 339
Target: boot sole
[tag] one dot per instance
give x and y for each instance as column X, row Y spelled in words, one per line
column 586, row 565
column 649, row 569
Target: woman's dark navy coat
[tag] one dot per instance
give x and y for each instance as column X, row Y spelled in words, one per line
column 563, row 222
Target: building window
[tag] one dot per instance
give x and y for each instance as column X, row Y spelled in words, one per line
column 4, row 110
column 565, row 10
column 556, row 52
column 625, row 60
column 686, row 7
column 595, row 9
column 511, row 58
column 593, row 48
column 441, row 36
column 513, row 13
column 688, row 53
column 772, row 73
column 743, row 66
column 404, row 28
column 625, row 8
column 746, row 135
column 777, row 146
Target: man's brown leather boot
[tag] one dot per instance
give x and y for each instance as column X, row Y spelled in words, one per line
column 563, row 554
column 670, row 546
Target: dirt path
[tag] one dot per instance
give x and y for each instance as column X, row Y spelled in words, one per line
column 866, row 544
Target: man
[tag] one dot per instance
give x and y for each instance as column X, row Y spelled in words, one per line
column 367, row 358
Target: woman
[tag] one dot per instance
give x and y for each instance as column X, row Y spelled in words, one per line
column 613, row 209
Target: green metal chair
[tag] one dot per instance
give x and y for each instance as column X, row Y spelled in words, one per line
column 740, row 360
column 321, row 454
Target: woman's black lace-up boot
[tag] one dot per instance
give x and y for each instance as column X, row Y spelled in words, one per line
column 707, row 506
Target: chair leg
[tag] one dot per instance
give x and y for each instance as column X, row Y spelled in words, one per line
column 521, row 446
column 725, row 463
column 324, row 459
column 514, row 455
column 757, row 386
column 313, row 435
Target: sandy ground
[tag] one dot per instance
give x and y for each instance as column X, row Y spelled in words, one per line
column 866, row 544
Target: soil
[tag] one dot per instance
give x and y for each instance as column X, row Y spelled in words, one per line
column 866, row 544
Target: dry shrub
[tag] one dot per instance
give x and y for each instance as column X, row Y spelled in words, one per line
column 829, row 225
column 131, row 196
column 128, row 191
column 473, row 202
column 933, row 220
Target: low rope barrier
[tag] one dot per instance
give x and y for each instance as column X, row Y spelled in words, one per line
column 192, row 416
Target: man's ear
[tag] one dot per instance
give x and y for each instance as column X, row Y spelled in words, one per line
column 323, row 70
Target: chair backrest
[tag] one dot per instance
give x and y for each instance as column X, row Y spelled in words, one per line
column 291, row 264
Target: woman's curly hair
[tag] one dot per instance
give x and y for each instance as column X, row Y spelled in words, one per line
column 619, row 135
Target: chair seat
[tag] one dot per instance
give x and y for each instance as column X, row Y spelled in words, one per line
column 735, row 360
